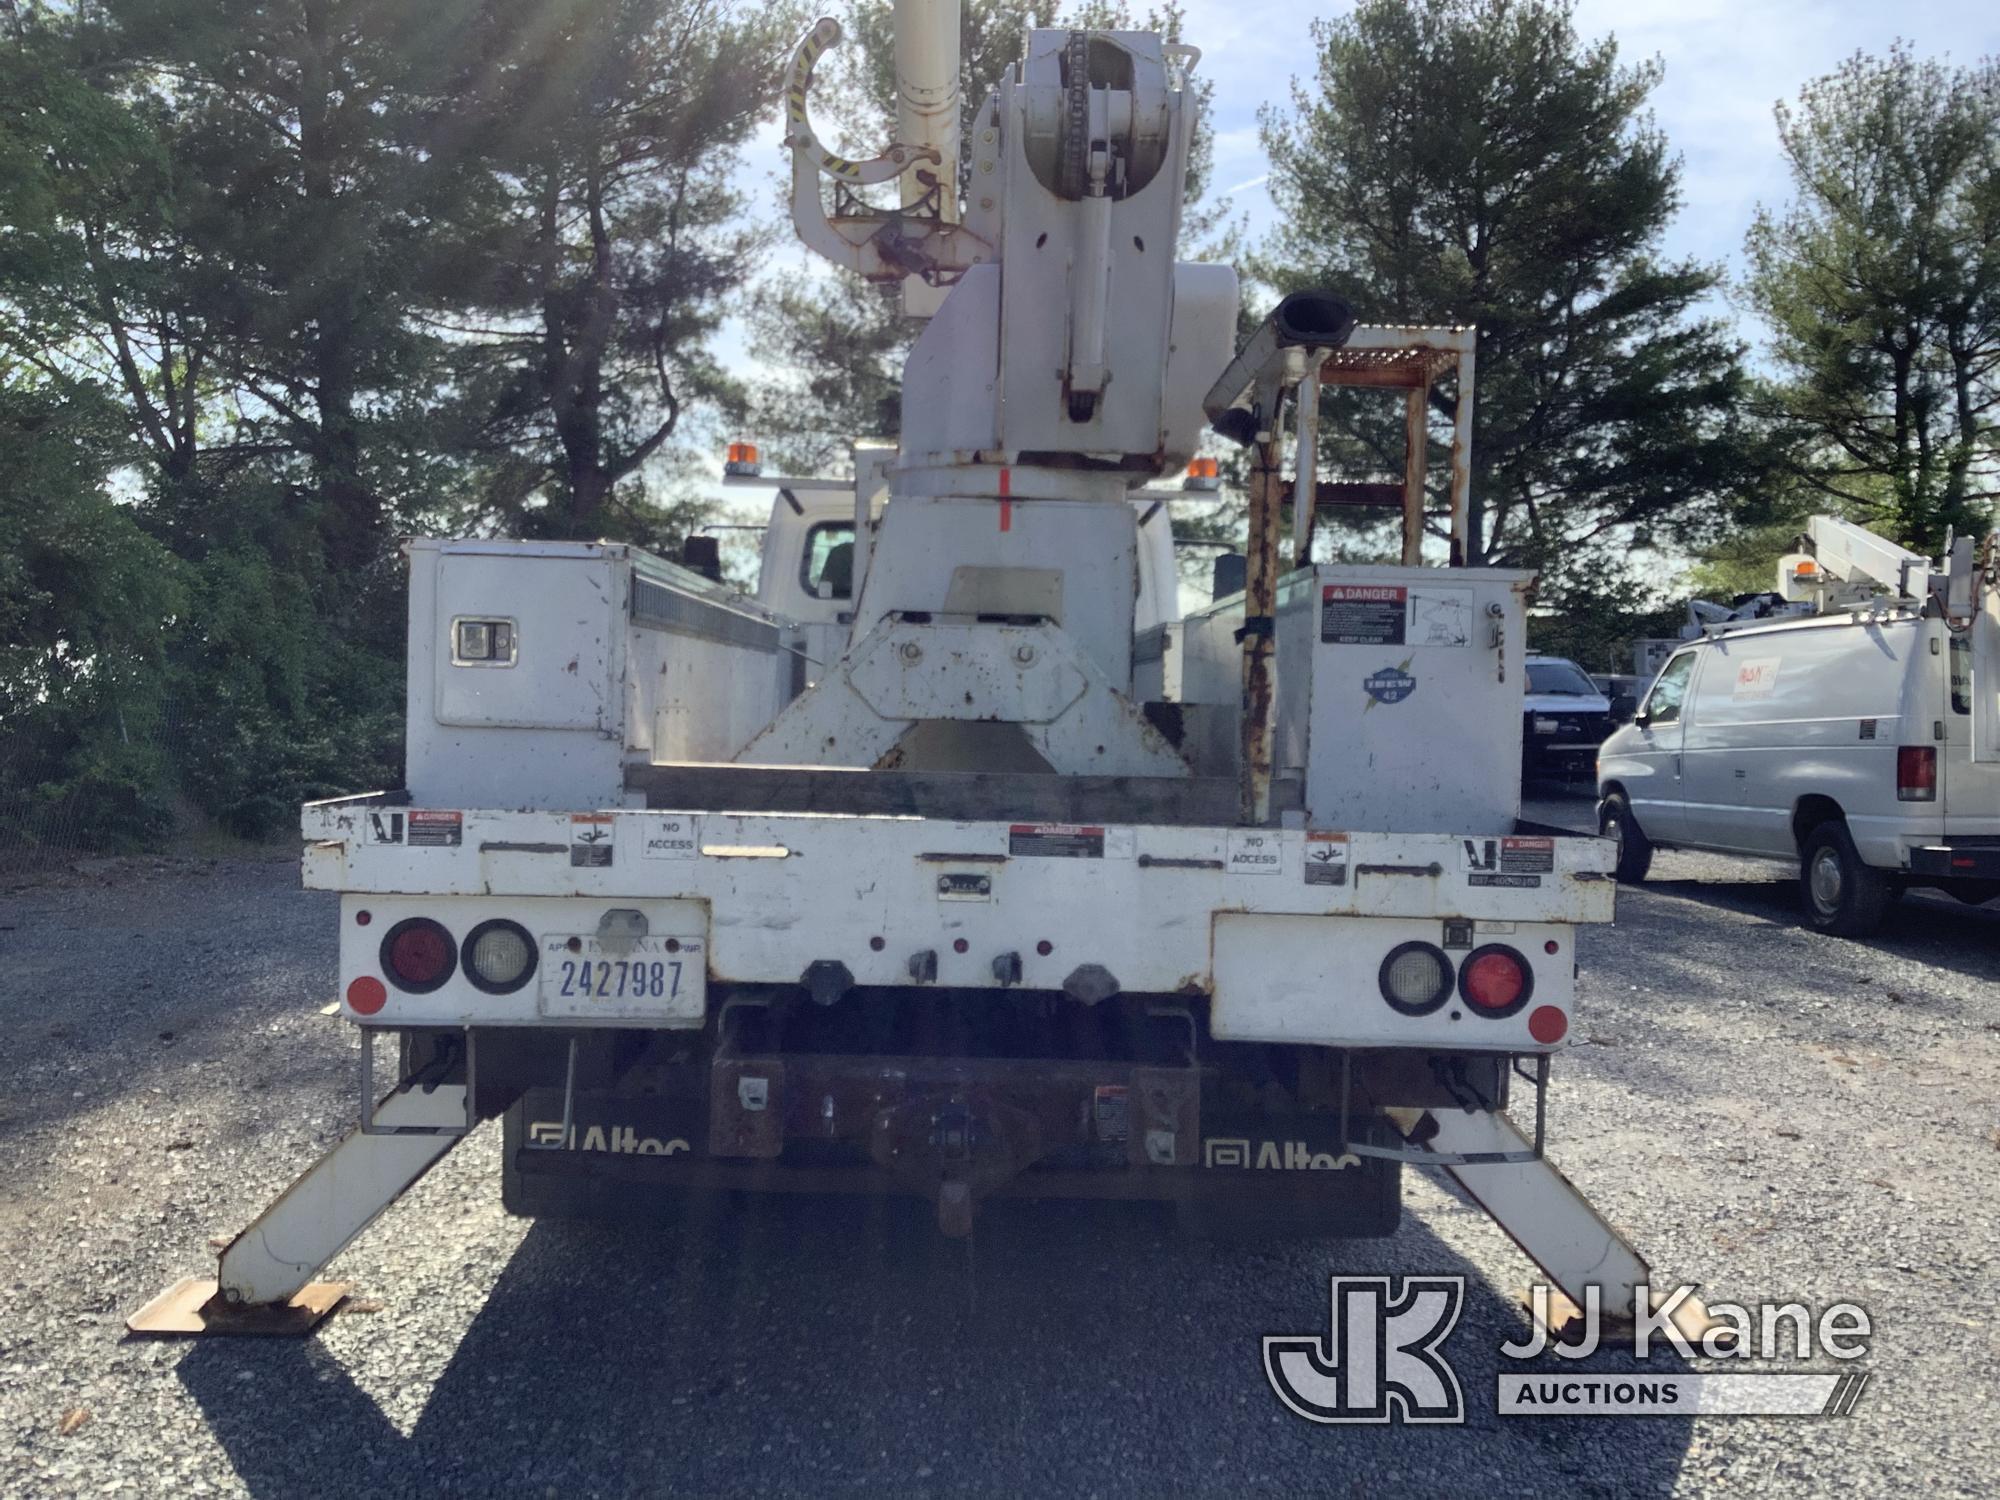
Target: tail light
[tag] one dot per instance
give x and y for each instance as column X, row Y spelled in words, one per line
column 499, row 957
column 418, row 955
column 1916, row 773
column 1496, row 981
column 1415, row 978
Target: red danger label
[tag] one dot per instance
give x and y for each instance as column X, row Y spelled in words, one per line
column 1362, row 614
column 1056, row 840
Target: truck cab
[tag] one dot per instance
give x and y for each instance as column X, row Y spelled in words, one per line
column 811, row 569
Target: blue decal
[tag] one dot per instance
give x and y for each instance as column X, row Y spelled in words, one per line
column 1389, row 685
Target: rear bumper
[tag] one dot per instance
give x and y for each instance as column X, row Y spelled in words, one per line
column 619, row 1146
column 1980, row 862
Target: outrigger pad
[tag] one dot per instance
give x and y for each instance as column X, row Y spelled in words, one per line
column 193, row 1306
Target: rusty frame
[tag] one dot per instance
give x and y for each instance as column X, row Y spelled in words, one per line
column 1412, row 358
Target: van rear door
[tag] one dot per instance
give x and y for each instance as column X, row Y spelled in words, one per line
column 1968, row 786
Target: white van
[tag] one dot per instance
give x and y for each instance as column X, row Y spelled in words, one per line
column 1842, row 741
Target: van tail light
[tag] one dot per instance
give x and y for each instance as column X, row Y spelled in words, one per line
column 1916, row 773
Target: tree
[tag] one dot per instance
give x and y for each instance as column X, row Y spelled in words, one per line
column 1473, row 161
column 1880, row 285
column 84, row 597
column 302, row 204
column 848, row 341
column 608, row 236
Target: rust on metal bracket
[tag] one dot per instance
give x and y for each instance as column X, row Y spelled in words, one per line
column 194, row 1307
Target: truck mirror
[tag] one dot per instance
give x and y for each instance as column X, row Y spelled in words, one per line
column 1231, row 575
column 703, row 555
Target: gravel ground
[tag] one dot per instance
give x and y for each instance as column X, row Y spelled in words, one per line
column 1767, row 1112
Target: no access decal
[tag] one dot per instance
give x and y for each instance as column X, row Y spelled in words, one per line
column 669, row 838
column 1254, row 851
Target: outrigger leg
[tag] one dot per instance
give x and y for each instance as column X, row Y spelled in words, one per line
column 1545, row 1215
column 265, row 1284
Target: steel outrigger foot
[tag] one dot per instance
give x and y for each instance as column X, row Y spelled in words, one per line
column 1543, row 1213
column 264, row 1284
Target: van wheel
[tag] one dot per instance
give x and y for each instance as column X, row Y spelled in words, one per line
column 1843, row 896
column 1635, row 850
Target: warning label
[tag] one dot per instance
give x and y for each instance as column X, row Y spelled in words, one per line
column 1516, row 862
column 1055, row 841
column 1254, row 852
column 384, row 828
column 1112, row 1110
column 669, row 838
column 1326, row 858
column 590, row 840
column 436, row 830
column 1362, row 614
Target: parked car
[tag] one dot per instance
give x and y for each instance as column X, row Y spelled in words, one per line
column 1843, row 742
column 1622, row 689
column 1564, row 719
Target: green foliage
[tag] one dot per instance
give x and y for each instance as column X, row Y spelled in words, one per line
column 1473, row 161
column 84, row 595
column 603, row 235
column 1881, row 288
column 278, row 284
column 1591, row 607
column 275, row 703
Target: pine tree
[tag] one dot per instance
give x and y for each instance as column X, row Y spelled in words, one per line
column 1881, row 288
column 1473, row 161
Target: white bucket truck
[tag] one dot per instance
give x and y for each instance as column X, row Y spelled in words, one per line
column 984, row 880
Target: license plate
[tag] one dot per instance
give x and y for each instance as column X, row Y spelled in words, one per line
column 1546, row 726
column 641, row 978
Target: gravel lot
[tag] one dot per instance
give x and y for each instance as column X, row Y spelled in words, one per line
column 1767, row 1112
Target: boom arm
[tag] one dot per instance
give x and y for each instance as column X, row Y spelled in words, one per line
column 921, row 244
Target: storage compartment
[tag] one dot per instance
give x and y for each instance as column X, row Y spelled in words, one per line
column 1399, row 695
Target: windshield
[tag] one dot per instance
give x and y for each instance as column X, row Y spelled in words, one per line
column 1561, row 677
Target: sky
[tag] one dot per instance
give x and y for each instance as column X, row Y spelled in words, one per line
column 1726, row 63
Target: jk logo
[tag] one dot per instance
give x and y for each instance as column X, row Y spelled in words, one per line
column 1380, row 1362
column 385, row 828
column 1482, row 855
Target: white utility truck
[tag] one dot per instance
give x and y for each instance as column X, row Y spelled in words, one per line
column 985, row 880
column 1845, row 722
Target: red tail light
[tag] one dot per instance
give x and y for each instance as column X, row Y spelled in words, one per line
column 418, row 955
column 1916, row 773
column 1496, row 981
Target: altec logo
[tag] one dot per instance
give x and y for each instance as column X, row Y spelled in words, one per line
column 1380, row 1362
